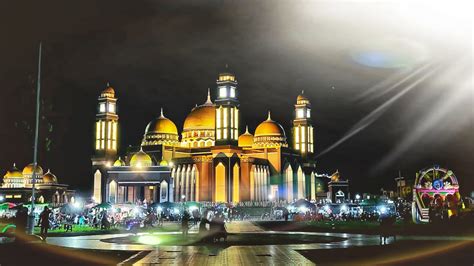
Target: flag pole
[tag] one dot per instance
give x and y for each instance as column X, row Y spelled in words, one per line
column 35, row 149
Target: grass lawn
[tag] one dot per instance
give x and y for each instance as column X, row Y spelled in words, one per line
column 87, row 230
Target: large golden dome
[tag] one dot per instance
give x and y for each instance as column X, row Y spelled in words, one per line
column 246, row 139
column 141, row 159
column 28, row 170
column 49, row 178
column 13, row 173
column 269, row 128
column 201, row 117
column 161, row 125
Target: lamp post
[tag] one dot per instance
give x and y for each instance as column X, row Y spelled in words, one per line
column 31, row 217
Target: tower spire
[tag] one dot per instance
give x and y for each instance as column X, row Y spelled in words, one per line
column 208, row 101
column 269, row 116
column 161, row 113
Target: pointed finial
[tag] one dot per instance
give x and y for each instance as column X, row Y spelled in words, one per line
column 226, row 66
column 247, row 129
column 208, row 101
column 108, row 84
column 49, row 171
column 269, row 116
column 302, row 92
column 161, row 112
column 14, row 165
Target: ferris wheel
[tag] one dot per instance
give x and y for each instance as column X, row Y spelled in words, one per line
column 434, row 187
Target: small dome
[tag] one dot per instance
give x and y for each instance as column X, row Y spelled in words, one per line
column 28, row 170
column 13, row 173
column 335, row 177
column 119, row 162
column 163, row 163
column 108, row 91
column 246, row 139
column 201, row 117
column 302, row 99
column 49, row 178
column 269, row 128
column 226, row 76
column 141, row 159
column 161, row 125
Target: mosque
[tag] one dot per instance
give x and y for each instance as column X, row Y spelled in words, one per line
column 16, row 186
column 211, row 160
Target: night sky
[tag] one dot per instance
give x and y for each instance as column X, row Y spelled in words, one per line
column 400, row 82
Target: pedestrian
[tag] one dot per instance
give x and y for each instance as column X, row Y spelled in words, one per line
column 20, row 222
column 185, row 223
column 43, row 222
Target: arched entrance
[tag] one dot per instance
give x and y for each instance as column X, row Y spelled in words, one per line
column 220, row 184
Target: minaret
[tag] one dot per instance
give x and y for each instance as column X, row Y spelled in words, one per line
column 302, row 126
column 227, row 110
column 106, row 128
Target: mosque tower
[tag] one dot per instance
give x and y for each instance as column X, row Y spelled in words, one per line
column 303, row 141
column 106, row 131
column 227, row 110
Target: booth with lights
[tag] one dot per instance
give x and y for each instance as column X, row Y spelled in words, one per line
column 435, row 187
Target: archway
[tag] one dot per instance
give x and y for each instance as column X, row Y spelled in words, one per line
column 112, row 191
column 236, row 184
column 289, row 183
column 220, row 184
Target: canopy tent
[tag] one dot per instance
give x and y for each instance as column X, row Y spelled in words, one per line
column 104, row 205
column 7, row 205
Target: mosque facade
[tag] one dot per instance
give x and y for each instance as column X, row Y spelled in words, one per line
column 213, row 159
column 16, row 186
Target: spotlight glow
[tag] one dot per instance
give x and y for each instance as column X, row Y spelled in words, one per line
column 149, row 240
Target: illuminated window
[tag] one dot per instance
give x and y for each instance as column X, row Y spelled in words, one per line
column 9, row 196
column 308, row 113
column 102, row 108
column 111, row 107
column 225, row 133
column 232, row 92
column 218, row 117
column 300, row 113
column 109, row 133
column 97, row 135
column 297, row 136
column 222, row 92
column 236, row 119
column 17, row 196
column 303, row 134
column 225, row 118
column 102, row 135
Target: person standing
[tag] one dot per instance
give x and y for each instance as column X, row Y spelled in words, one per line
column 44, row 222
column 185, row 223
